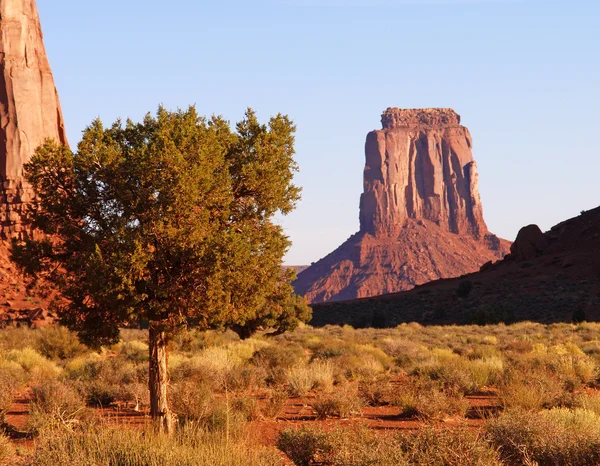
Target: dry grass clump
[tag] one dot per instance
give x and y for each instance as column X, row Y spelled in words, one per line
column 6, row 450
column 362, row 447
column 376, row 392
column 273, row 404
column 344, row 402
column 556, row 437
column 11, row 379
column 37, row 368
column 429, row 402
column 315, row 376
column 530, row 390
column 103, row 381
column 56, row 405
column 191, row 400
column 108, row 445
column 448, row 447
column 340, row 447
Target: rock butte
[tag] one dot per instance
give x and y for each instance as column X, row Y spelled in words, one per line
column 29, row 113
column 421, row 217
column 29, row 108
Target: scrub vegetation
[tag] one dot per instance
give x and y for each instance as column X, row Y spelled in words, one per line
column 540, row 384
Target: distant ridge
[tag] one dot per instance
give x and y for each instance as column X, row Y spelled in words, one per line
column 548, row 277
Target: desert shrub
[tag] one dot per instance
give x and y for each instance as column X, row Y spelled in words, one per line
column 37, row 368
column 273, row 404
column 340, row 447
column 134, row 350
column 16, row 338
column 560, row 437
column 300, row 380
column 591, row 348
column 344, row 402
column 448, row 447
column 224, row 416
column 191, row 400
column 303, row 446
column 429, row 402
column 485, row 372
column 58, row 342
column 6, row 450
column 105, row 380
column 322, row 375
column 582, row 367
column 588, row 401
column 136, row 394
column 217, row 365
column 246, row 378
column 530, row 390
column 455, row 373
column 317, row 375
column 190, row 446
column 519, row 346
column 55, row 405
column 277, row 359
column 11, row 378
column 100, row 393
column 376, row 392
column 246, row 407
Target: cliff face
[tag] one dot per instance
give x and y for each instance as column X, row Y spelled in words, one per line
column 421, row 166
column 29, row 107
column 421, row 217
column 29, row 113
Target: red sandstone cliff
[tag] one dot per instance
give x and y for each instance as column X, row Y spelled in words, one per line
column 29, row 107
column 421, row 217
column 29, row 113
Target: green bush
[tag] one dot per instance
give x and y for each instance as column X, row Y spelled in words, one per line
column 57, row 342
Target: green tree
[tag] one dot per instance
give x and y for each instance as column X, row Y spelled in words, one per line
column 169, row 221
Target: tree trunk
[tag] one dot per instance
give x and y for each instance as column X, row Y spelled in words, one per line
column 159, row 380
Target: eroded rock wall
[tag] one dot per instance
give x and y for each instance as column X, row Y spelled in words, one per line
column 420, row 166
column 30, row 109
column 421, row 217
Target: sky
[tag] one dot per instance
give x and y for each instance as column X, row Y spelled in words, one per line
column 523, row 74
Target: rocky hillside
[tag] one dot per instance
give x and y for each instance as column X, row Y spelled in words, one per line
column 421, row 217
column 548, row 277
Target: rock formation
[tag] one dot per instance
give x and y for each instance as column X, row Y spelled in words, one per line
column 529, row 244
column 548, row 277
column 420, row 213
column 29, row 113
column 29, row 108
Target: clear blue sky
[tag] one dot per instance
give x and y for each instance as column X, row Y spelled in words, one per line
column 524, row 75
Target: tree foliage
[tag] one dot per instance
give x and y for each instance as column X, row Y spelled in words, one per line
column 169, row 221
